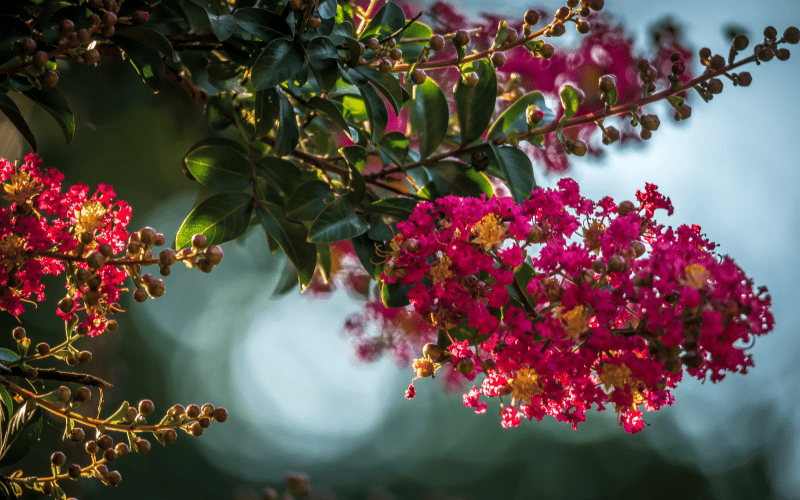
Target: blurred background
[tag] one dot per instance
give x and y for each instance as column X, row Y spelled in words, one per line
column 300, row 401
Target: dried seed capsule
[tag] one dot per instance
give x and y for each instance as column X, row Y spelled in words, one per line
column 196, row 429
column 650, row 122
column 744, row 79
column 64, row 394
column 558, row 29
column 91, row 447
column 122, row 449
column 43, row 349
column 562, row 13
column 766, row 54
column 220, row 415
column 74, row 471
column 147, row 236
column 705, row 53
column 597, row 4
column 770, row 33
column 18, row 333
column 110, row 455
column 193, row 411
column 782, row 54
column 714, row 85
column 105, row 442
column 582, row 26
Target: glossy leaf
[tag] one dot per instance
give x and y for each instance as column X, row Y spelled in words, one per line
column 261, row 23
column 218, row 141
column 393, row 148
column 365, row 251
column 20, row 434
column 337, row 222
column 288, row 133
column 514, row 119
column 327, row 9
column 267, row 109
column 321, row 47
column 475, row 105
column 326, row 72
column 355, row 155
column 411, row 51
column 395, row 295
column 569, row 101
column 148, row 37
column 145, row 59
column 223, row 25
column 387, row 20
column 429, row 116
column 333, row 113
column 377, row 113
column 220, row 168
column 7, row 402
column 291, row 236
column 54, row 103
column 278, row 62
column 464, row 180
column 387, row 84
column 221, row 217
column 282, row 173
column 12, row 113
column 309, row 200
column 515, row 168
column 400, row 208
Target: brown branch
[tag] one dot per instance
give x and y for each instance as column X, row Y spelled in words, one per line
column 59, row 376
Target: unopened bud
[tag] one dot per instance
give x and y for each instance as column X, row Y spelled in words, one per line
column 740, row 42
column 461, row 39
column 432, row 352
column 531, row 17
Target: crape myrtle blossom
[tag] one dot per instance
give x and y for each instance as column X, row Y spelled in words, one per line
column 564, row 304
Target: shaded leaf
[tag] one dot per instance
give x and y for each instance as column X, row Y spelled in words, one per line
column 261, row 23
column 278, row 62
column 393, row 148
column 282, row 173
column 429, row 116
column 514, row 119
column 145, row 59
column 221, row 217
column 332, row 112
column 337, row 222
column 148, row 37
column 308, row 201
column 400, row 208
column 475, row 105
column 267, row 109
column 21, row 434
column 411, row 51
column 54, row 103
column 387, row 20
column 327, row 9
column 515, row 168
column 11, row 111
column 395, row 294
column 326, row 72
column 288, row 133
column 223, row 25
column 291, row 236
column 377, row 113
column 387, row 84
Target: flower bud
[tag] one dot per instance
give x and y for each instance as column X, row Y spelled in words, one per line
column 597, row 4
column 582, row 26
column 31, row 374
column 43, row 349
column 616, row 264
column 436, row 42
column 146, row 407
column 396, row 54
column 148, row 236
column 204, row 422
column 101, row 469
column 705, row 53
column 471, row 79
column 170, row 436
column 740, row 42
column 765, row 54
column 531, row 17
column 113, row 478
column 82, row 395
column 717, row 62
column 534, row 115
column 110, row 455
column 418, row 76
column 49, row 78
column 461, row 39
column 432, row 352
column 638, row 248
column 58, row 459
column 220, row 415
column 297, row 483
column 91, row 447
column 122, row 449
column 558, row 29
column 111, row 327
column 140, row 17
column 66, row 27
column 204, row 265
column 385, row 66
column 196, row 429
column 610, row 135
column 142, row 446
column 84, row 357
column 650, row 122
column 199, row 241
column 27, row 46
column 139, row 295
column 579, row 148
column 770, row 33
column 498, row 59
column 512, row 35
column 176, row 411
column 193, row 411
column 95, row 260
column 131, row 414
column 108, row 20
column 314, row 22
column 714, row 85
column 18, row 333
column 105, row 442
column 466, row 366
column 791, row 35
column 744, row 79
column 608, row 83
column 547, row 51
column 74, row 471
column 782, row 54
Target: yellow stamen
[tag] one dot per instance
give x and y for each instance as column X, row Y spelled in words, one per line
column 20, row 188
column 489, row 232
column 89, row 217
column 575, row 321
column 525, row 385
column 440, row 270
column 696, row 276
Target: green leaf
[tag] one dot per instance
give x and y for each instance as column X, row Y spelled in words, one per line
column 288, row 133
column 308, row 201
column 513, row 166
column 321, row 47
column 386, row 21
column 411, row 51
column 221, row 217
column 502, row 34
column 278, row 62
column 475, row 105
column 355, row 155
column 118, row 416
column 220, row 112
column 220, row 168
column 400, row 208
column 514, row 120
column 12, row 113
column 282, row 173
column 7, row 401
column 387, row 84
column 224, row 25
column 54, row 103
column 326, row 72
column 337, row 222
column 20, row 434
column 366, row 253
column 393, row 148
column 327, row 9
column 395, row 295
column 465, row 181
column 569, row 101
column 267, row 110
column 261, row 23
column 333, row 113
column 291, row 236
column 429, row 116
column 145, row 59
column 324, row 260
column 218, row 141
column 377, row 113
column 8, row 355
column 145, row 36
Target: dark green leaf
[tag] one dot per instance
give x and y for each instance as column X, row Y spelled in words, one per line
column 399, row 208
column 16, row 83
column 282, row 173
column 220, row 168
column 337, row 222
column 327, row 9
column 355, row 155
column 291, row 236
column 326, row 72
column 393, row 148
column 321, row 48
column 220, row 113
column 261, row 23
column 222, row 217
column 223, row 70
column 11, row 28
column 502, row 33
column 411, row 51
column 569, row 101
column 395, row 294
column 288, row 133
column 279, row 61
column 324, row 260
column 515, row 168
column 218, row 141
column 475, row 105
column 55, row 104
column 332, row 112
column 514, row 119
column 223, row 25
column 429, row 116
column 21, row 434
column 386, row 21
column 308, row 201
column 11, row 111
column 365, row 250
column 376, row 112
column 267, row 110
column 145, row 59
column 356, row 184
column 7, row 402
column 387, row 84
column 145, row 36
column 465, row 181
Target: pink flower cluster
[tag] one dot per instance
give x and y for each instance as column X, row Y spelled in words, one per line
column 564, row 304
column 46, row 231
